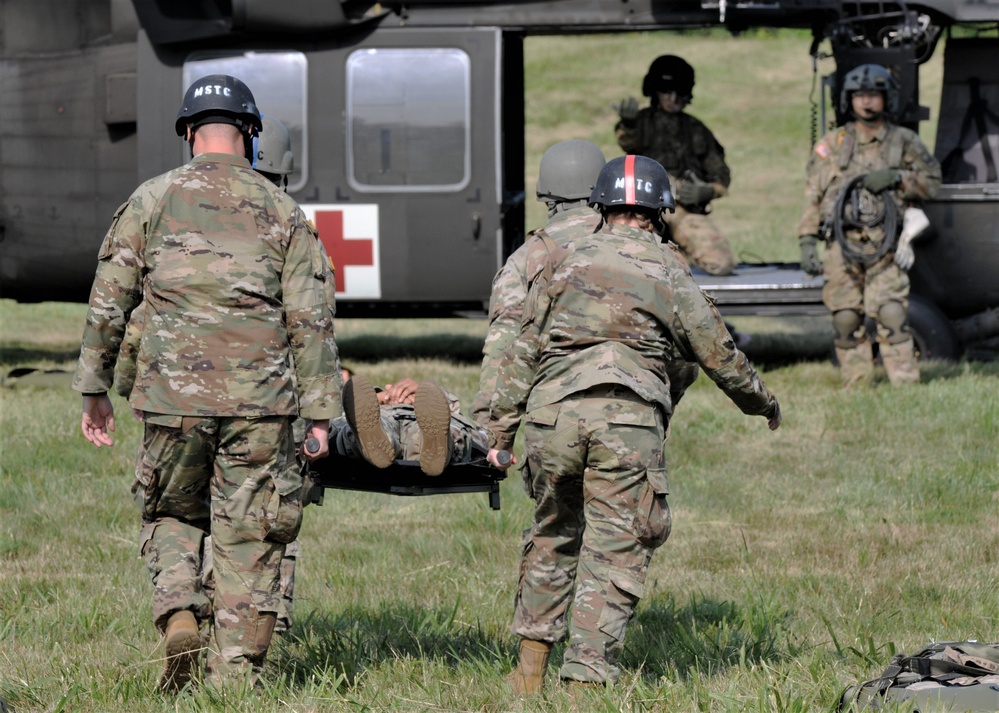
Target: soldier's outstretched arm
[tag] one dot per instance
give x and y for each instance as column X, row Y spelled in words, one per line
column 701, row 332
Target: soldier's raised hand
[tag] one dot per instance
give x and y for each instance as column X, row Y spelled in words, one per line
column 628, row 109
column 693, row 191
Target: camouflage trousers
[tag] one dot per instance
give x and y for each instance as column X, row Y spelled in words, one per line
column 399, row 424
column 237, row 480
column 595, row 470
column 865, row 289
column 701, row 242
column 286, row 583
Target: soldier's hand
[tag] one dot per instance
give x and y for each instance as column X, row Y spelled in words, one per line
column 904, row 256
column 628, row 110
column 500, row 459
column 773, row 415
column 914, row 224
column 694, row 192
column 98, row 419
column 810, row 261
column 401, row 392
column 317, row 441
column 877, row 181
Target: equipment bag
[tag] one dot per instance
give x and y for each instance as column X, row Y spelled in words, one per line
column 953, row 676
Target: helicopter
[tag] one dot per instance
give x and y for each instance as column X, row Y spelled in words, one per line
column 415, row 179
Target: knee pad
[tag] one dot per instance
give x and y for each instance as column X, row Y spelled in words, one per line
column 894, row 321
column 845, row 323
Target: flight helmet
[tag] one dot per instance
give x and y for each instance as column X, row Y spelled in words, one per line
column 219, row 99
column 569, row 170
column 869, row 77
column 634, row 181
column 272, row 149
column 669, row 73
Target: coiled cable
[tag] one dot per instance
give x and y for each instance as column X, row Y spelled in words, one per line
column 846, row 217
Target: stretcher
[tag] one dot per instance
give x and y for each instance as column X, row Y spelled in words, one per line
column 404, row 477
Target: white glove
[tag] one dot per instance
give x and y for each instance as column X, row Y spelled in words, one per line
column 914, row 222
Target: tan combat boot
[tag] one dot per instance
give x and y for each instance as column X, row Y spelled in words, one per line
column 855, row 365
column 900, row 363
column 433, row 416
column 529, row 676
column 183, row 642
column 363, row 412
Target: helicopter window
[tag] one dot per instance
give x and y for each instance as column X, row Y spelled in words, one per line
column 408, row 119
column 278, row 81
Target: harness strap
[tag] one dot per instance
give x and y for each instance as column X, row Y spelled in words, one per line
column 846, row 148
column 894, row 142
column 542, row 273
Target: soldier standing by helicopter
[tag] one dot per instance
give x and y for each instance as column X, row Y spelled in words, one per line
column 861, row 178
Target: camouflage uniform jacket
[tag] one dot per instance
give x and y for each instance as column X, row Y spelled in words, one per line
column 681, row 143
column 844, row 154
column 506, row 303
column 617, row 309
column 236, row 320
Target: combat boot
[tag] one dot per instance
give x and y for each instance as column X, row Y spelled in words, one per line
column 360, row 405
column 856, row 364
column 900, row 363
column 529, row 676
column 183, row 642
column 433, row 416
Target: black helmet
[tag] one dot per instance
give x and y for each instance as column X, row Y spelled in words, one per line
column 218, row 99
column 669, row 73
column 636, row 181
column 272, row 149
column 568, row 171
column 869, row 77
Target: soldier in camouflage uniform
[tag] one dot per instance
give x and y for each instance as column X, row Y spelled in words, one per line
column 882, row 168
column 600, row 325
column 273, row 159
column 238, row 340
column 691, row 154
column 407, row 420
column 566, row 176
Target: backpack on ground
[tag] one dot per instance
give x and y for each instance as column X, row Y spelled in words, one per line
column 952, row 676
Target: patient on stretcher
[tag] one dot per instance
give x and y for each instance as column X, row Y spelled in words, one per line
column 407, row 420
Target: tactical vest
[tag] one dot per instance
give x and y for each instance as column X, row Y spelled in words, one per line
column 894, row 141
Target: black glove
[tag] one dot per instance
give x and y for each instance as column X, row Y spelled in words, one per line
column 877, row 181
column 694, row 192
column 628, row 110
column 810, row 261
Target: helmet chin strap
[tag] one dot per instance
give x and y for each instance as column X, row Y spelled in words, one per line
column 871, row 120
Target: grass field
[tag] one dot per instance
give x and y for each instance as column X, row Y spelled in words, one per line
column 800, row 560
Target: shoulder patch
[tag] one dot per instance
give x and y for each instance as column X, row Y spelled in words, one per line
column 822, row 150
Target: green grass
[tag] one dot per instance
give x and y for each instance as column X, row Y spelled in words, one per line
column 799, row 561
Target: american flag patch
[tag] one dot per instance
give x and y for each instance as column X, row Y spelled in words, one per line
column 822, row 150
